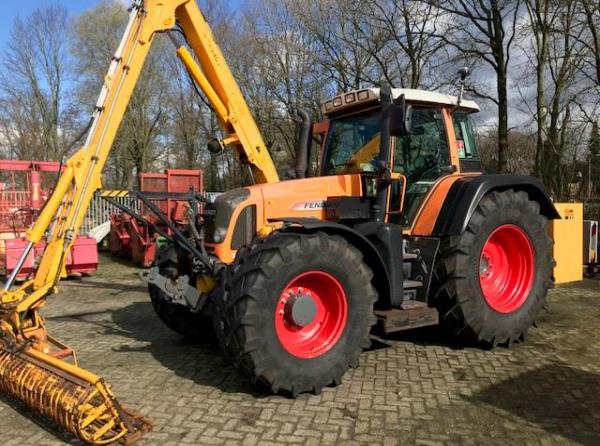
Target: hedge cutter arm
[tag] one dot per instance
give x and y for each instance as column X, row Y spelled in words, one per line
column 35, row 367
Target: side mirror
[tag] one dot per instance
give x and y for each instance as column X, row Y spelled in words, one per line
column 400, row 118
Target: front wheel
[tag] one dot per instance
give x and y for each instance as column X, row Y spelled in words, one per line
column 494, row 277
column 296, row 311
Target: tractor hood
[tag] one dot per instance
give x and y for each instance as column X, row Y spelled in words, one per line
column 304, row 197
column 238, row 215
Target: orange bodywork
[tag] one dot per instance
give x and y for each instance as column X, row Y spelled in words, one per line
column 306, row 198
column 430, row 209
column 296, row 198
column 454, row 159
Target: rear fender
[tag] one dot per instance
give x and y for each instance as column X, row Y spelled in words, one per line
column 466, row 193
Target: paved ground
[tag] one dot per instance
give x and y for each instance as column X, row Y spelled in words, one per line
column 415, row 389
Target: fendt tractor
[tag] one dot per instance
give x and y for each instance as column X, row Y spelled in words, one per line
column 400, row 229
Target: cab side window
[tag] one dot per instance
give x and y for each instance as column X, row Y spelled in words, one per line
column 465, row 139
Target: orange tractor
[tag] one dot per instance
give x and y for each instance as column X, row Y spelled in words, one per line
column 399, row 227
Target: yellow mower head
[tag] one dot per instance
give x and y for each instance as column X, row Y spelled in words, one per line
column 78, row 401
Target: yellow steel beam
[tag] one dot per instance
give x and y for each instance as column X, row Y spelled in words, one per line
column 221, row 80
column 196, row 72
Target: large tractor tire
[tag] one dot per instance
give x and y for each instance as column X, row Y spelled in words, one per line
column 194, row 327
column 296, row 311
column 494, row 278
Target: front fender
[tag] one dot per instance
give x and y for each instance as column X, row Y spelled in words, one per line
column 373, row 259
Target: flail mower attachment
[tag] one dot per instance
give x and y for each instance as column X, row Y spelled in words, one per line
column 75, row 399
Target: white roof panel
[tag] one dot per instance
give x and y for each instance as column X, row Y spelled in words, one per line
column 435, row 97
column 353, row 98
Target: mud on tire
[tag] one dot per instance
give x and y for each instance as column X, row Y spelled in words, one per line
column 245, row 318
column 464, row 309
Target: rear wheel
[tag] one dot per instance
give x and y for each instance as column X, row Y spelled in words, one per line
column 494, row 278
column 296, row 311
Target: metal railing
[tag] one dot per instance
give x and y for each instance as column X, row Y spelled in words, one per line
column 100, row 210
column 97, row 214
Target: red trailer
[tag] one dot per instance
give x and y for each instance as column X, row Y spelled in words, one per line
column 24, row 188
column 130, row 237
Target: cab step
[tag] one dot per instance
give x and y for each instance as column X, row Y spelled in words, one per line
column 410, row 257
column 410, row 284
column 412, row 314
column 410, row 288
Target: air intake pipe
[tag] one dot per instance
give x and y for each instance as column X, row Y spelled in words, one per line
column 303, row 145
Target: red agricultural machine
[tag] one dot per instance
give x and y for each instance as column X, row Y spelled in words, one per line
column 134, row 233
column 24, row 188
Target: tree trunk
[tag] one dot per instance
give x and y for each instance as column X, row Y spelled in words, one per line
column 502, row 122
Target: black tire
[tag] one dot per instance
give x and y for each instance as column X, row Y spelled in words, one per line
column 192, row 326
column 463, row 307
column 245, row 314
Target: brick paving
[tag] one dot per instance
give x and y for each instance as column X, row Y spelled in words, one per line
column 416, row 388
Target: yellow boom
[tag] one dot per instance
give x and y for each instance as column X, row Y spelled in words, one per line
column 35, row 367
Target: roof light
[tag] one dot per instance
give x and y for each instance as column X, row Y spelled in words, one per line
column 328, row 105
column 337, row 101
column 363, row 95
column 349, row 98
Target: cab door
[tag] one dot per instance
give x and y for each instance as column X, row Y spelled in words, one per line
column 419, row 160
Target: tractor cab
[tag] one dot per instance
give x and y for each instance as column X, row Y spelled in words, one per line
column 438, row 140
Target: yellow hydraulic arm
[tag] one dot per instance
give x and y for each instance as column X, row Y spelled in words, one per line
column 35, row 367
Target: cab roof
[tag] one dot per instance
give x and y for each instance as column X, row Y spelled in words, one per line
column 370, row 96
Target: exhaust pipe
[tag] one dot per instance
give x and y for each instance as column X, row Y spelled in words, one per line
column 387, row 101
column 303, row 146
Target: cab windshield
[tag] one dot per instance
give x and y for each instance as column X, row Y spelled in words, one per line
column 352, row 144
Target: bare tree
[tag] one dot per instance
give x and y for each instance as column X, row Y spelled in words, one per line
column 139, row 143
column 564, row 63
column 187, row 116
column 349, row 64
column 484, row 32
column 543, row 15
column 591, row 21
column 35, row 111
column 282, row 74
column 402, row 39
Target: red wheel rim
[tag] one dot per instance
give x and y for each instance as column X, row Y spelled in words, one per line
column 311, row 314
column 506, row 268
